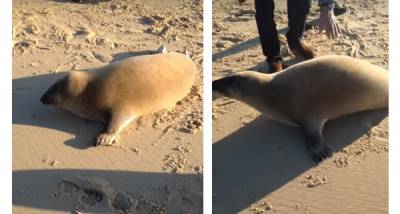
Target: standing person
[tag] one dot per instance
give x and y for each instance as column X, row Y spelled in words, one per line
column 297, row 14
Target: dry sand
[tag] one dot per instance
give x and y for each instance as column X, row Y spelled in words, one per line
column 158, row 166
column 260, row 166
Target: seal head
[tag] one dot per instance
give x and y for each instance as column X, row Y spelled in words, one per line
column 68, row 87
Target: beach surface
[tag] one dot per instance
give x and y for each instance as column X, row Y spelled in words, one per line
column 157, row 166
column 261, row 166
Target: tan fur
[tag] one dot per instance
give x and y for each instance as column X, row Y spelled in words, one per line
column 310, row 93
column 140, row 85
column 120, row 92
column 327, row 87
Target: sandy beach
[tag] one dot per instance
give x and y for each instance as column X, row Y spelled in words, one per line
column 261, row 166
column 157, row 167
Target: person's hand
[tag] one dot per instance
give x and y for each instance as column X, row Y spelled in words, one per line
column 241, row 1
column 328, row 23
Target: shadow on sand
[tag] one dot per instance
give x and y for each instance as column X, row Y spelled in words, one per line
column 81, row 1
column 28, row 110
column 35, row 188
column 125, row 55
column 263, row 156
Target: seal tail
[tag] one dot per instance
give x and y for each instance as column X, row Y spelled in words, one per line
column 162, row 49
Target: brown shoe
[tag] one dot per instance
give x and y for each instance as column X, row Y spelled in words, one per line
column 275, row 65
column 300, row 49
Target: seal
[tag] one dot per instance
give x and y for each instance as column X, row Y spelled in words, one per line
column 120, row 92
column 310, row 93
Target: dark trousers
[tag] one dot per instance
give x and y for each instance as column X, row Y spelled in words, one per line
column 297, row 15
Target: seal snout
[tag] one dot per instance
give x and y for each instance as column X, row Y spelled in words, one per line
column 222, row 84
column 223, row 87
column 216, row 90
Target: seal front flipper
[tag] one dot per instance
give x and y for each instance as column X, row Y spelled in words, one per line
column 115, row 123
column 314, row 140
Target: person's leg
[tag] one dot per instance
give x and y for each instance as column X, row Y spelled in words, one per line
column 267, row 29
column 297, row 14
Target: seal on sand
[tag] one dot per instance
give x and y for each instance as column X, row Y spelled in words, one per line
column 118, row 93
column 310, row 93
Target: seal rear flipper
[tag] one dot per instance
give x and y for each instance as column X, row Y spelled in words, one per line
column 314, row 140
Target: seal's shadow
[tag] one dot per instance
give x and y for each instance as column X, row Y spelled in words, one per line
column 28, row 110
column 261, row 157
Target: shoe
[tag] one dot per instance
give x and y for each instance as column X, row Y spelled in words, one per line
column 275, row 65
column 338, row 10
column 300, row 49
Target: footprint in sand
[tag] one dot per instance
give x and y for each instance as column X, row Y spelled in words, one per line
column 90, row 191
